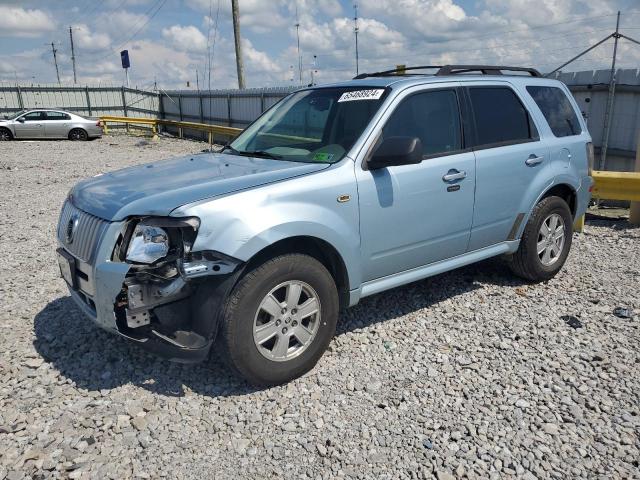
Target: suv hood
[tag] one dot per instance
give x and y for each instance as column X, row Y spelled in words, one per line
column 160, row 187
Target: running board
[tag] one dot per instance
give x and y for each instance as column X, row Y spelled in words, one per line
column 413, row 275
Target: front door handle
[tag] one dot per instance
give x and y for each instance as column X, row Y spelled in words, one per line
column 533, row 160
column 453, row 175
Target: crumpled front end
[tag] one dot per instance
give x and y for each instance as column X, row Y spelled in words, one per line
column 169, row 306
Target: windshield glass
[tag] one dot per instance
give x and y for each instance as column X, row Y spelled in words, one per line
column 314, row 126
column 15, row 115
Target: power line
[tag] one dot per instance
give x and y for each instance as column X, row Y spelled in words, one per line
column 157, row 6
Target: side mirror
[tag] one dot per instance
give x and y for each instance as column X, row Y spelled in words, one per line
column 396, row 151
column 21, row 120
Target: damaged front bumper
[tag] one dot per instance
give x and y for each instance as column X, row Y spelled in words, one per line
column 175, row 317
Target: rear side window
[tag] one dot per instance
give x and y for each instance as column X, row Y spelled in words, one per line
column 500, row 117
column 433, row 117
column 57, row 116
column 557, row 110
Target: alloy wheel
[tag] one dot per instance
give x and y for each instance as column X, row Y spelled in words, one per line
column 551, row 239
column 287, row 321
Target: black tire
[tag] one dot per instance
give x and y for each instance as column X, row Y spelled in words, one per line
column 5, row 135
column 236, row 339
column 78, row 135
column 526, row 262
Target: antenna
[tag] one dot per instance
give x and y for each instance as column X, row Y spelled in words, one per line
column 298, row 37
column 73, row 55
column 355, row 31
column 55, row 60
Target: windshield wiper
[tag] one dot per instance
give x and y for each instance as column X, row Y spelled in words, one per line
column 258, row 153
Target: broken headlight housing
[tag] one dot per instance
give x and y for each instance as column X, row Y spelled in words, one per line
column 150, row 240
column 148, row 244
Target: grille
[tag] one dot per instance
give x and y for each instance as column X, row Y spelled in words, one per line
column 86, row 234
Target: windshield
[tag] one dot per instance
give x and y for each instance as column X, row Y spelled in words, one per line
column 15, row 115
column 314, row 126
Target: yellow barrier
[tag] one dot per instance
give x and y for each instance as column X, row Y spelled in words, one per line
column 181, row 126
column 616, row 185
column 613, row 186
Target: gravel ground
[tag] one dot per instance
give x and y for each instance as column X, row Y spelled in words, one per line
column 468, row 374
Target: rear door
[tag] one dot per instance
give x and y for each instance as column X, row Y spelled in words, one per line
column 30, row 125
column 510, row 159
column 57, row 124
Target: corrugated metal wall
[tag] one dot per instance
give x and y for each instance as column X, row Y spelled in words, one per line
column 234, row 108
column 89, row 101
column 591, row 89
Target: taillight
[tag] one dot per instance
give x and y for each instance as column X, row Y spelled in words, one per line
column 590, row 156
column 98, row 123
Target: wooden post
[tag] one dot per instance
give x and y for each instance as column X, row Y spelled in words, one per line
column 634, row 215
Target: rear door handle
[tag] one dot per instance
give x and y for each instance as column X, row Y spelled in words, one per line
column 453, row 175
column 533, row 160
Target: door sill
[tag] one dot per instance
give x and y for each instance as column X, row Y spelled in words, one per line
column 402, row 278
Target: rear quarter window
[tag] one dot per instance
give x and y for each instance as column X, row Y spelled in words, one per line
column 557, row 110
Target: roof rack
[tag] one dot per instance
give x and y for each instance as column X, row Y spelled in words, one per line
column 453, row 70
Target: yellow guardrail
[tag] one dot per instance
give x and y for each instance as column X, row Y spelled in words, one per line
column 616, row 185
column 181, row 126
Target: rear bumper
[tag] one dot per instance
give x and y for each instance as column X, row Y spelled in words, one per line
column 583, row 196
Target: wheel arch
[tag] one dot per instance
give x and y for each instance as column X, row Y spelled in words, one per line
column 564, row 191
column 315, row 247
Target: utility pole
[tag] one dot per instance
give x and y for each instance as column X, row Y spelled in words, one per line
column 298, row 37
column 73, row 56
column 355, row 31
column 55, row 61
column 610, row 97
column 236, row 34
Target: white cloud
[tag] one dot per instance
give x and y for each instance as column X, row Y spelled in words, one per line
column 188, row 38
column 20, row 22
column 86, row 40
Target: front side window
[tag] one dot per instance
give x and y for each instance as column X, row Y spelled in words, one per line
column 57, row 116
column 34, row 116
column 313, row 126
column 557, row 110
column 500, row 117
column 431, row 116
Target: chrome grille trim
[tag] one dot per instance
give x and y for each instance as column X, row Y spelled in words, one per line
column 87, row 233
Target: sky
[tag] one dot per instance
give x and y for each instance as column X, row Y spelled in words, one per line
column 172, row 42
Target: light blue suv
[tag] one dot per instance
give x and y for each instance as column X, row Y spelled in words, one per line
column 337, row 192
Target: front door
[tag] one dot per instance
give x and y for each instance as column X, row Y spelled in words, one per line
column 30, row 125
column 413, row 215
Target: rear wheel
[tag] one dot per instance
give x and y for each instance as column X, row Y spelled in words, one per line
column 279, row 319
column 5, row 135
column 546, row 241
column 78, row 134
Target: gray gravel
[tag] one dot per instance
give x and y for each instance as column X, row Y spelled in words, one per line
column 471, row 373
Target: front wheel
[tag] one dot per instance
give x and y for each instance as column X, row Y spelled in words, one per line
column 546, row 241
column 5, row 135
column 279, row 319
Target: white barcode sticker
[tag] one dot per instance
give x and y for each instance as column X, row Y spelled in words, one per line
column 373, row 94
